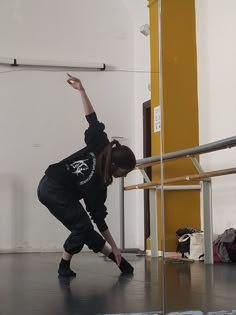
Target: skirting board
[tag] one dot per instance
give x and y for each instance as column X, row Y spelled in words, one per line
column 160, row 253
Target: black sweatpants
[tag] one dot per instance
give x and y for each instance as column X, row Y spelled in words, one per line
column 67, row 209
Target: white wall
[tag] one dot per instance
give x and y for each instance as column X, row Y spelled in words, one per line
column 216, row 50
column 41, row 116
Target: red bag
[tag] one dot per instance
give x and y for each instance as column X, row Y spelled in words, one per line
column 216, row 258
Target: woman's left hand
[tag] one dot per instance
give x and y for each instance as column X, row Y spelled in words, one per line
column 117, row 255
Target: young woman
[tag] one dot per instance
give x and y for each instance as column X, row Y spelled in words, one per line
column 85, row 176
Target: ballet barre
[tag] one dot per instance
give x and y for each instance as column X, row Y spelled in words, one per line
column 202, row 177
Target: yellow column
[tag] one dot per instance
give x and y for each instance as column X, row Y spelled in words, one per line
column 180, row 107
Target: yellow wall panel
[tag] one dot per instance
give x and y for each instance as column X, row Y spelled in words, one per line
column 180, row 108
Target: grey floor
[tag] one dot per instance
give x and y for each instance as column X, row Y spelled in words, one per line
column 29, row 285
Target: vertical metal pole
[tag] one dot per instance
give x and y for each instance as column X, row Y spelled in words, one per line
column 122, row 214
column 153, row 222
column 162, row 210
column 207, row 214
column 161, row 154
column 207, row 223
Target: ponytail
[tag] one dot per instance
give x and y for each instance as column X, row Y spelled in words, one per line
column 105, row 162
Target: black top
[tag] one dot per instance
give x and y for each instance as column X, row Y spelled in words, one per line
column 77, row 172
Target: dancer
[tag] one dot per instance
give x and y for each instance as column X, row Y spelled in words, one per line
column 85, row 176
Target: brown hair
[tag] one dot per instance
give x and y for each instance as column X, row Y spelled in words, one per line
column 117, row 154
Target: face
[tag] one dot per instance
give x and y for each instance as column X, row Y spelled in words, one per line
column 119, row 172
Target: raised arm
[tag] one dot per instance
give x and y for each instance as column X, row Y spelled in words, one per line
column 77, row 85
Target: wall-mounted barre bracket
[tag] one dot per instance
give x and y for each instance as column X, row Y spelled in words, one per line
column 15, row 62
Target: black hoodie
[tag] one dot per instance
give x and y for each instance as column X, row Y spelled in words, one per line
column 77, row 172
